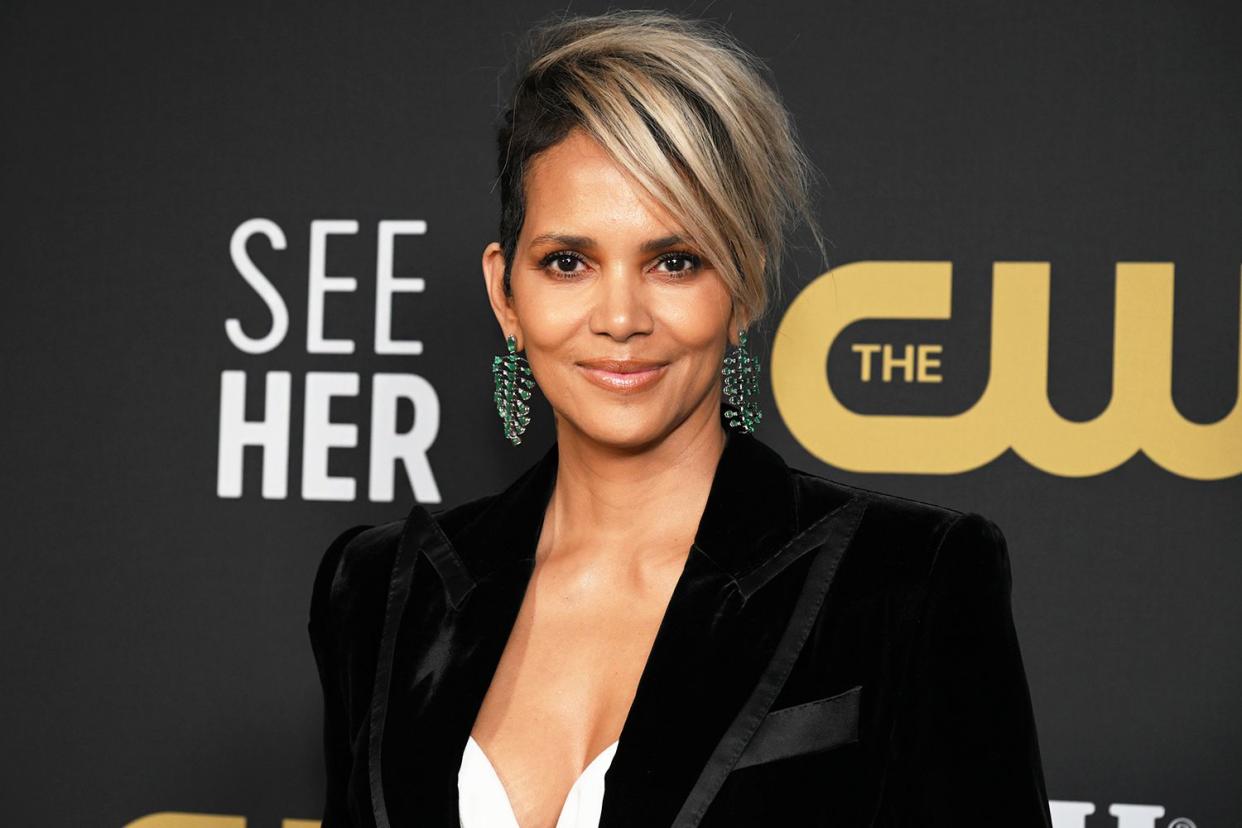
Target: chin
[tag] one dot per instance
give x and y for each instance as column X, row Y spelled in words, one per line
column 623, row 428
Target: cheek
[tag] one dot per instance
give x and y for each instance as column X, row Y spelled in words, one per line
column 549, row 317
column 697, row 319
column 697, row 329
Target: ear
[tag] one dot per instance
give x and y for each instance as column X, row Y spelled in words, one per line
column 740, row 317
column 502, row 305
column 737, row 320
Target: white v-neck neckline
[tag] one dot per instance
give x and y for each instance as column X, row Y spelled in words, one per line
column 487, row 802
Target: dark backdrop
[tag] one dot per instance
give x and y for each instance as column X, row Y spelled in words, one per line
column 154, row 656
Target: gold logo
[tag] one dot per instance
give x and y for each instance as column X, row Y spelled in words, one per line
column 172, row 819
column 1013, row 410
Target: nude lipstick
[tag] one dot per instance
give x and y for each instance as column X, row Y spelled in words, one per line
column 622, row 375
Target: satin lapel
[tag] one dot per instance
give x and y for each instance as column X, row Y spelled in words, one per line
column 831, row 537
column 403, row 567
column 445, row 645
column 718, row 662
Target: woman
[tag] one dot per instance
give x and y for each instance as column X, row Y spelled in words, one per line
column 660, row 622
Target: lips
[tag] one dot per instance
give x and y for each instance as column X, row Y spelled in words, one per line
column 622, row 375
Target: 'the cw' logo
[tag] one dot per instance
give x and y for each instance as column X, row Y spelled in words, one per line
column 1013, row 411
column 1074, row 815
column 175, row 819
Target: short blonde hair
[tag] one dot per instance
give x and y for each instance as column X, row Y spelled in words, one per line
column 683, row 108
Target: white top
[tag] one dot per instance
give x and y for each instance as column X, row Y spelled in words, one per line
column 483, row 802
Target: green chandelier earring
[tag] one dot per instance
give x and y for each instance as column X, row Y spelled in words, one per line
column 512, row 377
column 741, row 387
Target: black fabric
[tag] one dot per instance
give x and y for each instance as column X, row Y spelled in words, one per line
column 830, row 656
column 820, row 724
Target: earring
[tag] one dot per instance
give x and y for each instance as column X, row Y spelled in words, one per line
column 741, row 387
column 511, row 375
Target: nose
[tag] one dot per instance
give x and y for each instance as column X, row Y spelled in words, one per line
column 619, row 304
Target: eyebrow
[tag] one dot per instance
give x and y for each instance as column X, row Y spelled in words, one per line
column 649, row 246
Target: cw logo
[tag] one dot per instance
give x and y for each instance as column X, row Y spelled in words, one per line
column 171, row 819
column 1074, row 815
column 1013, row 411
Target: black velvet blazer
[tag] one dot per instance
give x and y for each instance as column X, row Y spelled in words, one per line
column 830, row 656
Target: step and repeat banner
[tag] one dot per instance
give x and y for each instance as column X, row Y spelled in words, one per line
column 244, row 311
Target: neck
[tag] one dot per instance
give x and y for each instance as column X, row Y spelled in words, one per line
column 628, row 506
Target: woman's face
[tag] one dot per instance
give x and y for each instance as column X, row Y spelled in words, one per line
column 600, row 273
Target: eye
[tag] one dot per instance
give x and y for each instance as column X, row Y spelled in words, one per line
column 561, row 263
column 681, row 263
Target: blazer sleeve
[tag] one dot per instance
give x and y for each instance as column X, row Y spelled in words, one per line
column 965, row 751
column 326, row 637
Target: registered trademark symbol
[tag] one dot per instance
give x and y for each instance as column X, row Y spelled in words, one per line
column 1181, row 822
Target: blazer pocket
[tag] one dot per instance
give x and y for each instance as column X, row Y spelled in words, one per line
column 809, row 727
